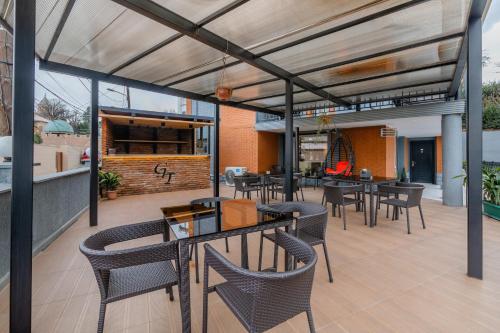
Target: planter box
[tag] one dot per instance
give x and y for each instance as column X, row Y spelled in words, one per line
column 491, row 210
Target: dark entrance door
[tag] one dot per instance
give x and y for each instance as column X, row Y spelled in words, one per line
column 422, row 161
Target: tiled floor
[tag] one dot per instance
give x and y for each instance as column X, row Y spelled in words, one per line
column 385, row 280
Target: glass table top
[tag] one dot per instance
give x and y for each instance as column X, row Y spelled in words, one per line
column 188, row 221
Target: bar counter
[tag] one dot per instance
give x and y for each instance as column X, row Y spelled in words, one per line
column 139, row 176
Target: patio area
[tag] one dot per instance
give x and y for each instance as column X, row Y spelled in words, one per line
column 384, row 279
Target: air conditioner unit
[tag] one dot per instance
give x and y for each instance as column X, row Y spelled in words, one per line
column 231, row 172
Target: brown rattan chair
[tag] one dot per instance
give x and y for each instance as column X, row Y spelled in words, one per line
column 126, row 273
column 262, row 300
column 311, row 227
column 337, row 196
column 413, row 198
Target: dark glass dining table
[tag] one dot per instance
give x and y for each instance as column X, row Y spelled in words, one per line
column 195, row 223
column 370, row 184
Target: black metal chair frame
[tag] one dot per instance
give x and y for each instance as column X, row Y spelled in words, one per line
column 262, row 300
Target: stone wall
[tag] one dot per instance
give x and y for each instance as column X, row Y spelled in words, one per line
column 138, row 177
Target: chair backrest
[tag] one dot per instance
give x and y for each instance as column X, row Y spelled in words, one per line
column 102, row 260
column 413, row 193
column 334, row 192
column 275, row 296
column 281, row 181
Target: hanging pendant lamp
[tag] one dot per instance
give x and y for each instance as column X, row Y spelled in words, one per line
column 222, row 92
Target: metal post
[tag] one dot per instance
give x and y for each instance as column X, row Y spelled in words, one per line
column 94, row 150
column 216, row 150
column 128, row 97
column 474, row 149
column 22, row 166
column 289, row 141
column 297, row 149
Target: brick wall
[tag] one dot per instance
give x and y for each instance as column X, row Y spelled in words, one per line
column 372, row 151
column 242, row 145
column 138, row 177
column 106, row 135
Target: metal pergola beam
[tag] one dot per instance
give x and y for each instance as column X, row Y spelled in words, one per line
column 375, row 77
column 289, row 141
column 216, row 184
column 114, row 79
column 174, row 21
column 21, row 223
column 373, row 92
column 323, row 33
column 475, row 141
column 224, row 10
column 94, row 149
column 59, row 28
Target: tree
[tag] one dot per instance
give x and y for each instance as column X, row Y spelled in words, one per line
column 491, row 106
column 5, row 82
column 52, row 109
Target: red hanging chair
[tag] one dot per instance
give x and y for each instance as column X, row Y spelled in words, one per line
column 340, row 156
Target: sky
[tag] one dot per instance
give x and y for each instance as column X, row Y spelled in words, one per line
column 75, row 92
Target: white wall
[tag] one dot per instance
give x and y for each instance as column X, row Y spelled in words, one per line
column 491, row 146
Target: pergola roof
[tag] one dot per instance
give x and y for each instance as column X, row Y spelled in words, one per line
column 339, row 52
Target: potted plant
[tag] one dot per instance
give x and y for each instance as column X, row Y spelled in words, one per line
column 491, row 192
column 110, row 181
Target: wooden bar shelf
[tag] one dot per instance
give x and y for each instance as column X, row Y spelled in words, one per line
column 152, row 141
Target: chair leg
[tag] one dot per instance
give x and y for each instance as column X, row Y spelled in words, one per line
column 196, row 263
column 275, row 258
column 421, row 216
column 170, row 291
column 297, row 195
column 205, row 299
column 407, row 220
column 302, row 193
column 340, row 214
column 102, row 314
column 343, row 216
column 227, row 245
column 191, row 252
column 334, row 209
column 323, row 199
column 327, row 259
column 311, row 321
column 260, row 249
column 364, row 210
column 234, row 197
column 387, row 212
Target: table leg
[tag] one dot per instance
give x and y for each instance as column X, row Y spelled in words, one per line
column 184, row 287
column 372, row 211
column 244, row 251
column 288, row 258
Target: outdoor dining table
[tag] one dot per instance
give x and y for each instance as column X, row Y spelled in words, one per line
column 369, row 183
column 203, row 222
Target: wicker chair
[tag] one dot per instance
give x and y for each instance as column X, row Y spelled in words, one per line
column 413, row 199
column 262, row 300
column 210, row 200
column 247, row 185
column 126, row 273
column 336, row 195
column 278, row 186
column 310, row 227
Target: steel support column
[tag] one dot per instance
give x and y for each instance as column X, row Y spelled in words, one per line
column 297, row 149
column 474, row 149
column 94, row 150
column 289, row 141
column 22, row 166
column 216, row 150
